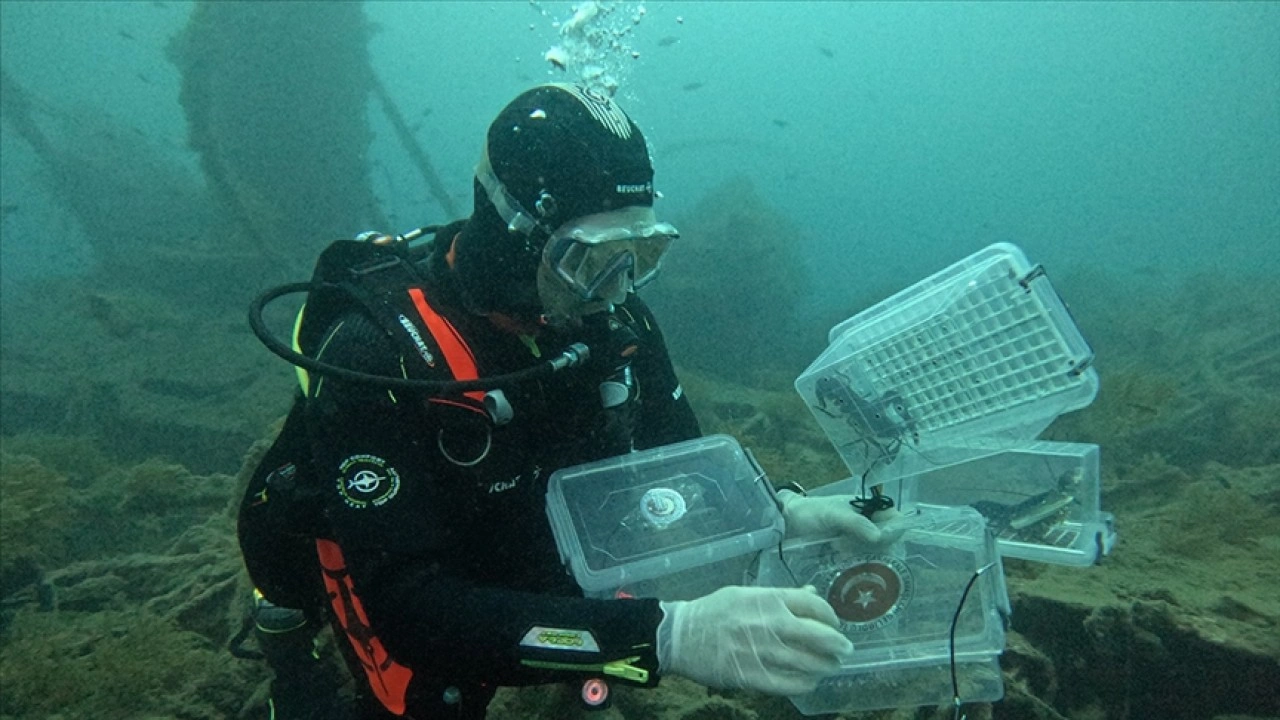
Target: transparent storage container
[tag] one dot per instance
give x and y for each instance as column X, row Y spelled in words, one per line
column 896, row 604
column 978, row 676
column 1042, row 501
column 976, row 358
column 674, row 522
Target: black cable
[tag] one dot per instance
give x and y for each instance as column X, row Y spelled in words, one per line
column 787, row 566
column 955, row 620
column 868, row 506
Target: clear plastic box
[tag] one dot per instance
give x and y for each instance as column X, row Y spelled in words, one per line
column 896, row 604
column 976, row 358
column 1041, row 501
column 674, row 522
column 977, row 675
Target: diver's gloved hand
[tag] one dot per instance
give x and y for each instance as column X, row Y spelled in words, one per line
column 812, row 518
column 780, row 641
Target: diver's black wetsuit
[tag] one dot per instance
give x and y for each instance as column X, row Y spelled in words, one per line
column 440, row 513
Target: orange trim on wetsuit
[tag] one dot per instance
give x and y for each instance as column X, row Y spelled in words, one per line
column 451, row 256
column 388, row 679
column 456, row 352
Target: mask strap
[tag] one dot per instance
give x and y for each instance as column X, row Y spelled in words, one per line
column 508, row 207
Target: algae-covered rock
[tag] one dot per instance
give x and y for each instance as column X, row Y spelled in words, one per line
column 1186, row 600
column 115, row 664
column 36, row 515
column 37, row 522
column 142, row 587
column 1190, row 370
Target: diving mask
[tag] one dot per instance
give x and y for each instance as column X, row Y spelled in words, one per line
column 606, row 255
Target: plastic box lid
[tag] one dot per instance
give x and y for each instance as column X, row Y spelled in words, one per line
column 1041, row 501
column 976, row 358
column 659, row 512
column 896, row 602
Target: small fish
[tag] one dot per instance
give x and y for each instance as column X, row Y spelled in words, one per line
column 780, row 122
column 144, row 78
column 9, row 209
column 414, row 128
column 426, row 112
column 827, row 52
column 126, row 35
column 690, row 87
column 668, row 41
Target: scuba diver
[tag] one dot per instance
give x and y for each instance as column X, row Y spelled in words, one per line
column 442, row 382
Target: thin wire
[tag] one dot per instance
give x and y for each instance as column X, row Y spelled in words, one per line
column 955, row 620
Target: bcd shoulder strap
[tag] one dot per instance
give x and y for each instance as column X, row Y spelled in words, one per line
column 383, row 281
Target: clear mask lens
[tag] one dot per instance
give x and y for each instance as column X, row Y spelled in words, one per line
column 602, row 257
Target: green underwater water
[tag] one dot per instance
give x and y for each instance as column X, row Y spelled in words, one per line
column 133, row 398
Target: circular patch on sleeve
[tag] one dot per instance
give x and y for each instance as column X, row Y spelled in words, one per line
column 366, row 480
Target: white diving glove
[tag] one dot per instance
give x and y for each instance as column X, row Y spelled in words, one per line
column 832, row 516
column 780, row 641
